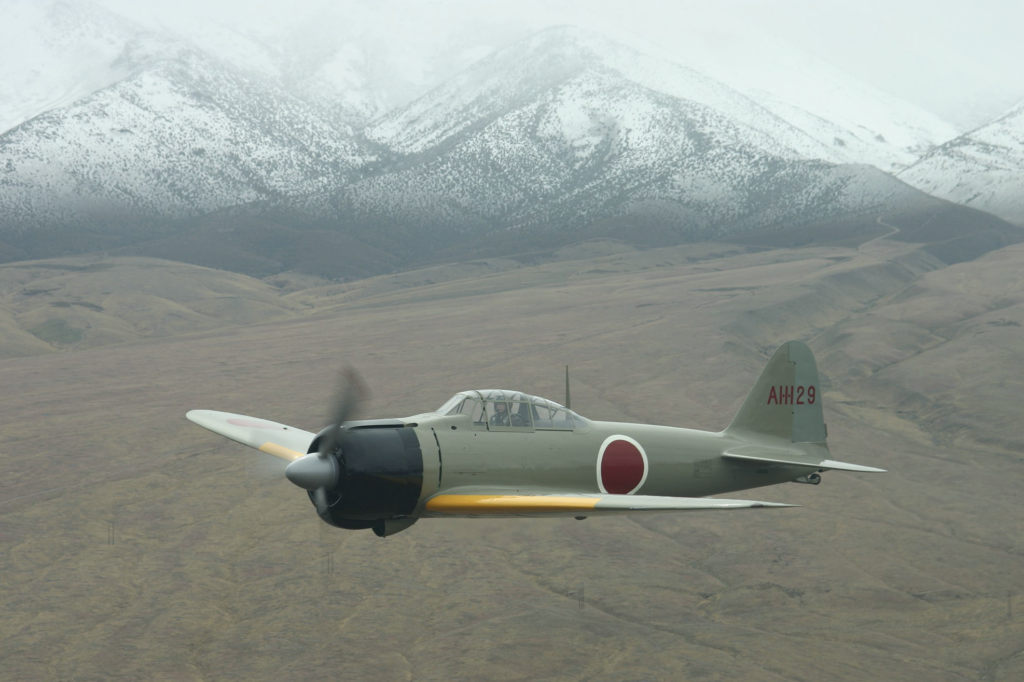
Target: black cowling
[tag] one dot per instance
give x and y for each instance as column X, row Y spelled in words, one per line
column 380, row 477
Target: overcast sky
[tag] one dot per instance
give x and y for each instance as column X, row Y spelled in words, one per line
column 959, row 59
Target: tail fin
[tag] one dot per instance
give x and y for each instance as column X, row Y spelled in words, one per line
column 786, row 400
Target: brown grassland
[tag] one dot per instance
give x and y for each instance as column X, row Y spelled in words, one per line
column 136, row 546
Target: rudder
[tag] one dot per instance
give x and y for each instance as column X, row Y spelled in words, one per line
column 785, row 402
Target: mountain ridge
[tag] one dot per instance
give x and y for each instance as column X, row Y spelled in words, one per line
column 177, row 139
column 586, row 118
column 564, row 131
column 983, row 168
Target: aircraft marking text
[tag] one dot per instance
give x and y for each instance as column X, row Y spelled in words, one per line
column 792, row 395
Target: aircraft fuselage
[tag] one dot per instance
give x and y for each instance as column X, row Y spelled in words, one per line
column 459, row 455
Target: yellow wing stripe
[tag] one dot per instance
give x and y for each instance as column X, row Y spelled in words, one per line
column 280, row 451
column 509, row 504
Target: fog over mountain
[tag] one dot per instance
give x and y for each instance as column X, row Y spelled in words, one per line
column 953, row 58
column 409, row 126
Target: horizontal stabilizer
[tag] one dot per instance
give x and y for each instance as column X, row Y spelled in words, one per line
column 505, row 504
column 279, row 440
column 803, row 461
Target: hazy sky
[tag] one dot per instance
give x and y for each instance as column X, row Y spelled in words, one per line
column 962, row 60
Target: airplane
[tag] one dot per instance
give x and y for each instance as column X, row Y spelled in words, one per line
column 498, row 453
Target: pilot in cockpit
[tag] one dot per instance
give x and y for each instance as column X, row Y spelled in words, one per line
column 500, row 416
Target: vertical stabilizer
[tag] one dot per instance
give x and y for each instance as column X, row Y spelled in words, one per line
column 785, row 403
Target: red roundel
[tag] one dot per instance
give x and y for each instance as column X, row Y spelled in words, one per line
column 621, row 466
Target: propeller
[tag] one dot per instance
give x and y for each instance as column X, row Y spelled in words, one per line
column 319, row 472
column 262, row 469
column 346, row 402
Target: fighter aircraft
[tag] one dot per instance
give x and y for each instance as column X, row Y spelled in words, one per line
column 498, row 453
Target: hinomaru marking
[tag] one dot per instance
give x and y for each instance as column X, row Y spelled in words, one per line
column 792, row 395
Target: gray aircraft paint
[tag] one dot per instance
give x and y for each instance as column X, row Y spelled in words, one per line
column 479, row 467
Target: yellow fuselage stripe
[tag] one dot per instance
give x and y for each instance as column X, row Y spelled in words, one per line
column 280, row 451
column 509, row 504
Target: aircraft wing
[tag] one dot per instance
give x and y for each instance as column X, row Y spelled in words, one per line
column 505, row 503
column 279, row 440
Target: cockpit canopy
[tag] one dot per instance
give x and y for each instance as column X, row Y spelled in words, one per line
column 498, row 408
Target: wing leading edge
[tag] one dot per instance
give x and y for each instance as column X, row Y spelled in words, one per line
column 505, row 504
column 279, row 440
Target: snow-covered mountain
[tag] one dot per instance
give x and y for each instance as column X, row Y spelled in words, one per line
column 499, row 83
column 346, row 58
column 812, row 109
column 857, row 122
column 566, row 129
column 184, row 136
column 367, row 59
column 983, row 169
column 563, row 128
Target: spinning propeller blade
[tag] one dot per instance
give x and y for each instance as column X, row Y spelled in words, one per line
column 351, row 392
column 262, row 468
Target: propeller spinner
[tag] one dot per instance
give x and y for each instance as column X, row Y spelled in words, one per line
column 319, row 472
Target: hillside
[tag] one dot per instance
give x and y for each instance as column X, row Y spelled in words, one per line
column 83, row 302
column 983, row 169
column 79, row 303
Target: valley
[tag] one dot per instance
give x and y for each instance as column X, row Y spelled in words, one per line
column 151, row 546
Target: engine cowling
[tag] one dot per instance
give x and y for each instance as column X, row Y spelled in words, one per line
column 380, row 475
